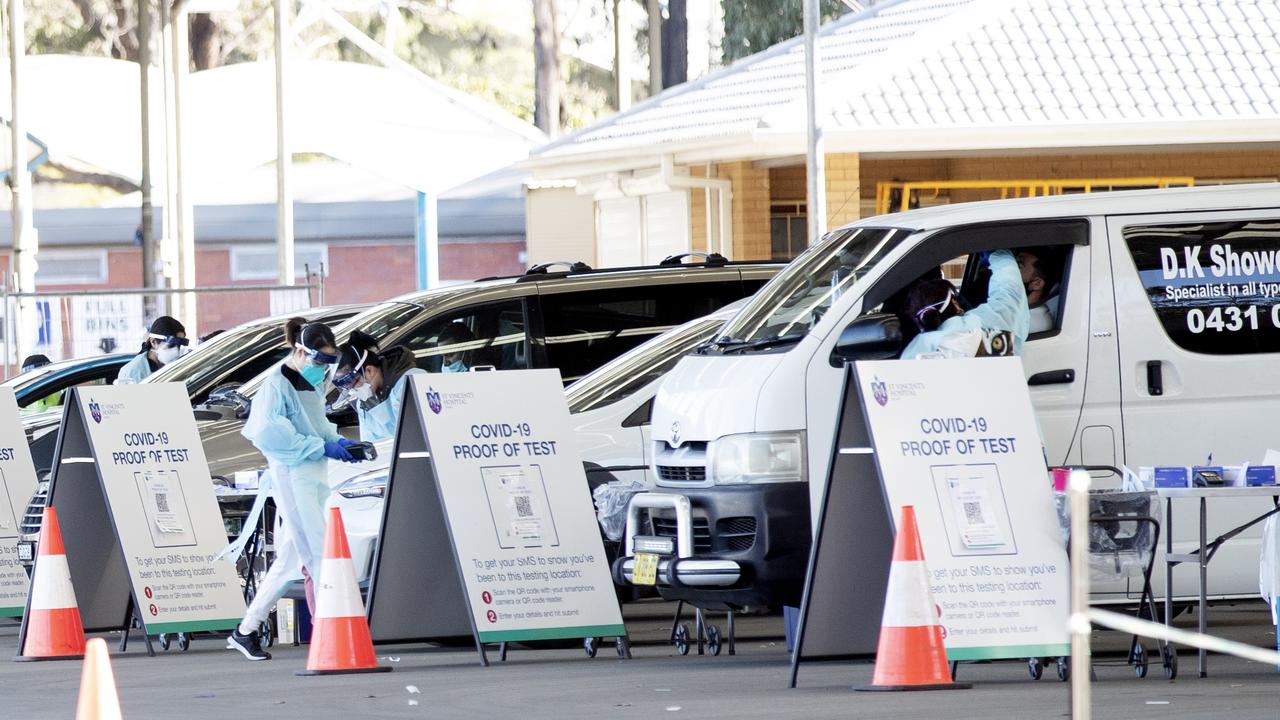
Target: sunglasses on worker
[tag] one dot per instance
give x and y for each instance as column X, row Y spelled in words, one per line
column 929, row 317
column 170, row 340
column 316, row 356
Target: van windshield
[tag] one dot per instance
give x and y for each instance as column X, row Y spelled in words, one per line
column 784, row 311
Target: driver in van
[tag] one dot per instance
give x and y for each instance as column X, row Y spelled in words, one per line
column 997, row 327
column 1042, row 292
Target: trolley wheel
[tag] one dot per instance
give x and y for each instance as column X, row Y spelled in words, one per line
column 267, row 636
column 621, row 646
column 682, row 639
column 1169, row 658
column 590, row 645
column 163, row 640
column 1139, row 660
column 713, row 639
column 184, row 642
column 1064, row 669
column 1035, row 668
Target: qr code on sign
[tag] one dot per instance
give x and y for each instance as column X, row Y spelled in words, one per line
column 524, row 507
column 162, row 502
column 973, row 513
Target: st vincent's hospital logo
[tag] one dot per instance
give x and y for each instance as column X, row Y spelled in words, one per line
column 880, row 392
column 95, row 410
column 433, row 401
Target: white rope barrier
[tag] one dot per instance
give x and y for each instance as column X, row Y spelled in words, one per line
column 1160, row 631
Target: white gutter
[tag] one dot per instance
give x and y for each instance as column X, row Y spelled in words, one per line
column 724, row 190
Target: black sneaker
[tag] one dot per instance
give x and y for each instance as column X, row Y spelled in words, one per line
column 248, row 645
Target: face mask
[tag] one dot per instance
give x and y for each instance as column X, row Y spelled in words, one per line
column 456, row 366
column 314, row 374
column 166, row 354
column 362, row 392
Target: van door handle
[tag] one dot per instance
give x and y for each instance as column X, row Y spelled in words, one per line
column 1155, row 378
column 1053, row 377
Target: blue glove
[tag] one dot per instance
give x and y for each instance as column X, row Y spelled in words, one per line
column 984, row 257
column 346, row 443
column 336, row 450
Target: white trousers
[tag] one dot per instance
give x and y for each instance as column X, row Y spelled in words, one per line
column 284, row 570
column 300, row 494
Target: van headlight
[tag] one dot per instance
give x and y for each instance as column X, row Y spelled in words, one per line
column 370, row 484
column 757, row 458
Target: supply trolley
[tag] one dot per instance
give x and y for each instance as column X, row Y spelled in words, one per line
column 1123, row 537
column 667, row 560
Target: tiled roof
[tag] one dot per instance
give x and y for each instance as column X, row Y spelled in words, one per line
column 916, row 64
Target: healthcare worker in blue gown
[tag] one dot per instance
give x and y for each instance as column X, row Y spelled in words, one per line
column 376, row 383
column 288, row 425
column 166, row 341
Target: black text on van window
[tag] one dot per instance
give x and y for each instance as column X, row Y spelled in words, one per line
column 1215, row 285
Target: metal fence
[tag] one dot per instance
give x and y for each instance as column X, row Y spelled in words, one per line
column 73, row 324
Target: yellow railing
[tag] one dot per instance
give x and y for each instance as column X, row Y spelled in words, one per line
column 1015, row 188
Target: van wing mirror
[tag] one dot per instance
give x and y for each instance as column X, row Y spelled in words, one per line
column 877, row 336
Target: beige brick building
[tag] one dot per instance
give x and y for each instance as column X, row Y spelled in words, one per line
column 920, row 91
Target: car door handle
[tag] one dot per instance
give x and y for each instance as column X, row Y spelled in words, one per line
column 1155, row 378
column 1053, row 377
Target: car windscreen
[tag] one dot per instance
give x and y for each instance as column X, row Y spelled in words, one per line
column 620, row 378
column 796, row 299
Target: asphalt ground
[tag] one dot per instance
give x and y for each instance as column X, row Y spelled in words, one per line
column 208, row 682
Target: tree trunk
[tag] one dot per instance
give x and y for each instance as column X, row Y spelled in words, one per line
column 206, row 41
column 654, row 35
column 125, row 41
column 675, row 44
column 546, row 59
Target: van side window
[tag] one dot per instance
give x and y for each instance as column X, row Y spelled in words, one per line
column 586, row 329
column 1214, row 285
column 1043, row 248
column 488, row 335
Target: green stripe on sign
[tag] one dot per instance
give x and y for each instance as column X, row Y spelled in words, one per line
column 1001, row 652
column 192, row 626
column 13, row 612
column 582, row 631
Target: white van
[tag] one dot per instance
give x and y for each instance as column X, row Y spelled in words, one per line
column 1163, row 348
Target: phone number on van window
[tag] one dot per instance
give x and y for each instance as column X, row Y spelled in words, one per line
column 1228, row 319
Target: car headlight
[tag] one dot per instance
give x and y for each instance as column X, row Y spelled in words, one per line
column 370, row 484
column 757, row 458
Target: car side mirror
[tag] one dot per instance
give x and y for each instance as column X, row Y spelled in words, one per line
column 877, row 336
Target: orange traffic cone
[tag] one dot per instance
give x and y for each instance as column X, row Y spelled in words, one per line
column 51, row 628
column 98, row 699
column 340, row 641
column 911, row 655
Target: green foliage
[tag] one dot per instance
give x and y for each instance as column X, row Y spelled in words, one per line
column 753, row 25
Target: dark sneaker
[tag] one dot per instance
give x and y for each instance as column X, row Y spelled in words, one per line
column 248, row 645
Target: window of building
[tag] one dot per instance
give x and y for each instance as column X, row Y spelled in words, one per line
column 788, row 229
column 71, row 267
column 258, row 262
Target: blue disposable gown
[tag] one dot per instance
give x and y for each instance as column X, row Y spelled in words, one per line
column 379, row 422
column 134, row 371
column 290, row 428
column 1004, row 311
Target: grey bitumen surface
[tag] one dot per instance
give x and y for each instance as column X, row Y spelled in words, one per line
column 209, row 683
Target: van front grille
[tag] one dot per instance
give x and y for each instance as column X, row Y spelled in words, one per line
column 683, row 473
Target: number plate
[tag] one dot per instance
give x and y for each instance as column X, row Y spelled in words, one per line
column 26, row 551
column 644, row 569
